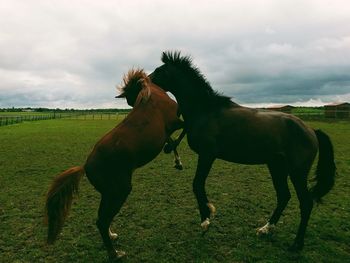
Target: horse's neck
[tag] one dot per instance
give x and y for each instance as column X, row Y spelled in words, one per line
column 190, row 103
column 190, row 109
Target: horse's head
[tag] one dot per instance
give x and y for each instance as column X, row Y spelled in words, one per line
column 161, row 76
column 185, row 81
column 169, row 75
column 135, row 83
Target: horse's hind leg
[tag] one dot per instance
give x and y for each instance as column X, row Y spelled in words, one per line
column 206, row 209
column 299, row 180
column 177, row 160
column 279, row 174
column 109, row 206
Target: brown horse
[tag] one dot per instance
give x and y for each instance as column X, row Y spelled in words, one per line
column 134, row 142
column 219, row 128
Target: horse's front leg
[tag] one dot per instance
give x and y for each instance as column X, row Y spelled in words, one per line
column 206, row 209
column 171, row 145
column 178, row 163
column 168, row 147
column 179, row 139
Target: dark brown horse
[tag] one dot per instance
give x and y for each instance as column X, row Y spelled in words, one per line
column 134, row 142
column 219, row 128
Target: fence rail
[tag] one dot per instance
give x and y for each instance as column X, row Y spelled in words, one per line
column 322, row 115
column 8, row 120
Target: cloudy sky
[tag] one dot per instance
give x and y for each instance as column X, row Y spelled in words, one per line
column 72, row 54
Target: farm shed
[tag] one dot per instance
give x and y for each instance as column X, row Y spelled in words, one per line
column 337, row 110
column 283, row 108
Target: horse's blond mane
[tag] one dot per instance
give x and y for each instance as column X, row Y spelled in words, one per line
column 133, row 83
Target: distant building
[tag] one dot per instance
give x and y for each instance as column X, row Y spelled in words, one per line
column 337, row 110
column 282, row 108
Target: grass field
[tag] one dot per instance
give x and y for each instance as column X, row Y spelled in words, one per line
column 160, row 220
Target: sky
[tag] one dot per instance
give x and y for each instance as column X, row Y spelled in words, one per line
column 73, row 54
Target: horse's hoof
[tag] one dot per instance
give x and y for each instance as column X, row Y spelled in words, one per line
column 116, row 255
column 205, row 225
column 265, row 230
column 167, row 148
column 178, row 164
column 178, row 167
column 120, row 253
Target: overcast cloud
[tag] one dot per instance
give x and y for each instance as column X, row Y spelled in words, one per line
column 73, row 53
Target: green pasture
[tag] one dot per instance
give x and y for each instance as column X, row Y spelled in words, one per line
column 160, row 221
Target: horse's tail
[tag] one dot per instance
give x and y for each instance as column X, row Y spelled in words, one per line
column 59, row 200
column 326, row 169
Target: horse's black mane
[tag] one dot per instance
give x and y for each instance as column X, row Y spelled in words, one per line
column 204, row 91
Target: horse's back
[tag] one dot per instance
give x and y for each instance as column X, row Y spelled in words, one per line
column 251, row 136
